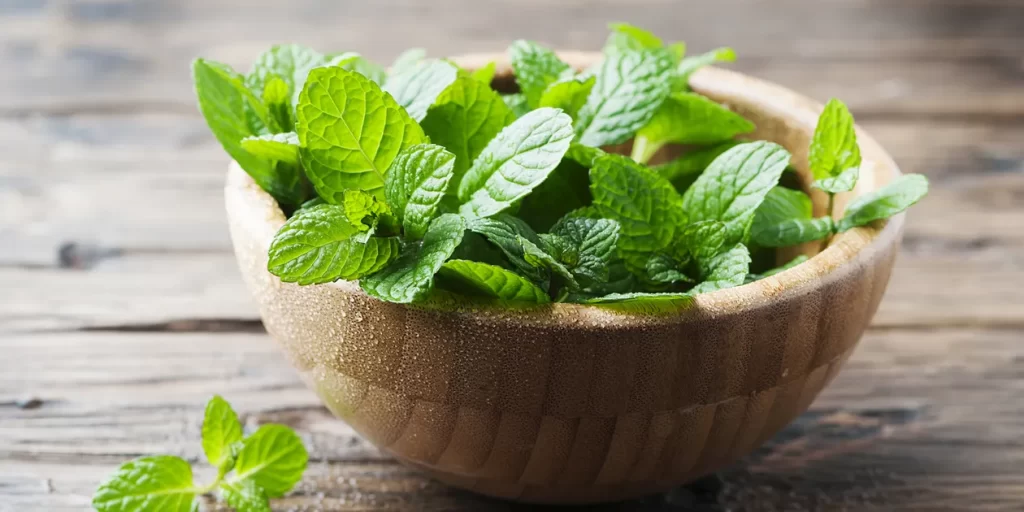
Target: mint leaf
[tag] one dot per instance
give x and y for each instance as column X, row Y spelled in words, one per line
column 885, row 202
column 568, row 94
column 734, row 185
column 644, row 204
column 273, row 458
column 321, row 244
column 362, row 209
column 416, row 88
column 415, row 184
column 688, row 66
column 584, row 155
column 644, row 303
column 834, row 146
column 160, row 483
column 407, row 60
column 283, row 147
column 277, row 97
column 662, row 268
column 794, row 231
column 221, row 429
column 354, row 62
column 784, row 219
column 483, row 280
column 728, row 269
column 844, row 182
column 781, row 204
column 703, row 240
column 535, row 67
column 505, row 232
column 245, row 496
column 591, row 244
column 518, row 159
column 626, row 37
column 689, row 118
column 485, row 74
column 411, row 276
column 777, row 270
column 683, row 171
column 630, row 88
column 537, row 257
column 517, row 104
column 350, row 132
column 290, row 62
column 467, row 115
column 566, row 189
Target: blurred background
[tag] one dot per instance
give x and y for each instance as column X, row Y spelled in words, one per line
column 121, row 309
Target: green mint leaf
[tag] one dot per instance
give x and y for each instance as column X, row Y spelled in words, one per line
column 793, row 231
column 688, row 66
column 626, row 37
column 567, row 188
column 505, row 232
column 569, row 94
column 485, row 74
column 418, row 87
column 630, row 88
column 478, row 279
column 584, row 155
column 290, row 62
column 354, row 62
column 689, row 118
column 408, row 59
column 518, row 159
column 644, row 303
column 662, row 268
column 678, row 50
column 223, row 100
column 591, row 241
column 350, row 132
column 363, row 209
column 537, row 257
column 467, row 115
column 644, row 204
column 535, row 67
column 283, row 147
column 683, row 171
column 844, row 182
column 885, row 202
column 322, row 244
column 278, row 98
column 777, row 270
column 245, row 496
column 781, row 204
column 221, row 429
column 834, row 146
column 703, row 240
column 161, row 483
column 728, row 269
column 415, row 185
column 273, row 458
column 517, row 104
column 411, row 276
column 734, row 185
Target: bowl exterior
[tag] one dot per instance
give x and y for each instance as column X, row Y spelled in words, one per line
column 561, row 404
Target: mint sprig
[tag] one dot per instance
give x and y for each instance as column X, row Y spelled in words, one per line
column 250, row 469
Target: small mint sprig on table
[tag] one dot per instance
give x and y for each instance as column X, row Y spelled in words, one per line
column 250, row 470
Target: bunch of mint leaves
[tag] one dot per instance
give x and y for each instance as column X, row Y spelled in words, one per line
column 250, row 470
column 424, row 181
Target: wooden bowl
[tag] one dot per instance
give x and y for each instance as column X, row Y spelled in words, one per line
column 577, row 404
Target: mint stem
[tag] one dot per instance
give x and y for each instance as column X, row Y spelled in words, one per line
column 828, row 212
column 643, row 150
column 213, row 485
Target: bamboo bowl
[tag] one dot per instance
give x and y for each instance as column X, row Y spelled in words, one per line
column 576, row 404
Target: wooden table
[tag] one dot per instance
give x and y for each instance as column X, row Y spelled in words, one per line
column 121, row 310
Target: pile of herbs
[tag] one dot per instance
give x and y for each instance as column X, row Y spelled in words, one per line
column 424, row 181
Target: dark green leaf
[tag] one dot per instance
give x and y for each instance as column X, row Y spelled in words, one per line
column 727, row 270
column 411, row 276
column 478, row 279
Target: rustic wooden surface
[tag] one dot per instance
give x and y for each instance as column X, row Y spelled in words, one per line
column 121, row 310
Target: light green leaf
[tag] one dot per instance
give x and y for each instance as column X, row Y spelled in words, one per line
column 483, row 280
column 321, row 244
column 793, row 231
column 283, row 147
column 408, row 59
column 683, row 171
column 517, row 104
column 569, row 94
column 728, row 269
column 411, row 276
column 161, row 483
column 245, row 496
column 415, row 185
column 350, row 132
column 777, row 270
column 834, row 146
column 584, row 155
column 566, row 188
column 354, row 62
column 485, row 74
column 591, row 242
column 628, row 37
column 703, row 240
column 689, row 118
column 518, row 159
column 842, row 183
column 885, row 202
column 630, row 88
column 678, row 50
column 417, row 88
column 221, row 429
column 291, row 62
column 467, row 115
column 278, row 99
column 223, row 100
column 273, row 458
column 781, row 204
column 690, row 65
column 734, row 185
column 644, row 303
column 366, row 210
column 505, row 232
column 535, row 67
column 644, row 204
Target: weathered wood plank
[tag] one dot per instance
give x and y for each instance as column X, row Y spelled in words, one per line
column 880, row 435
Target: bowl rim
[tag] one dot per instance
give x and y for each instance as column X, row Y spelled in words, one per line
column 261, row 216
